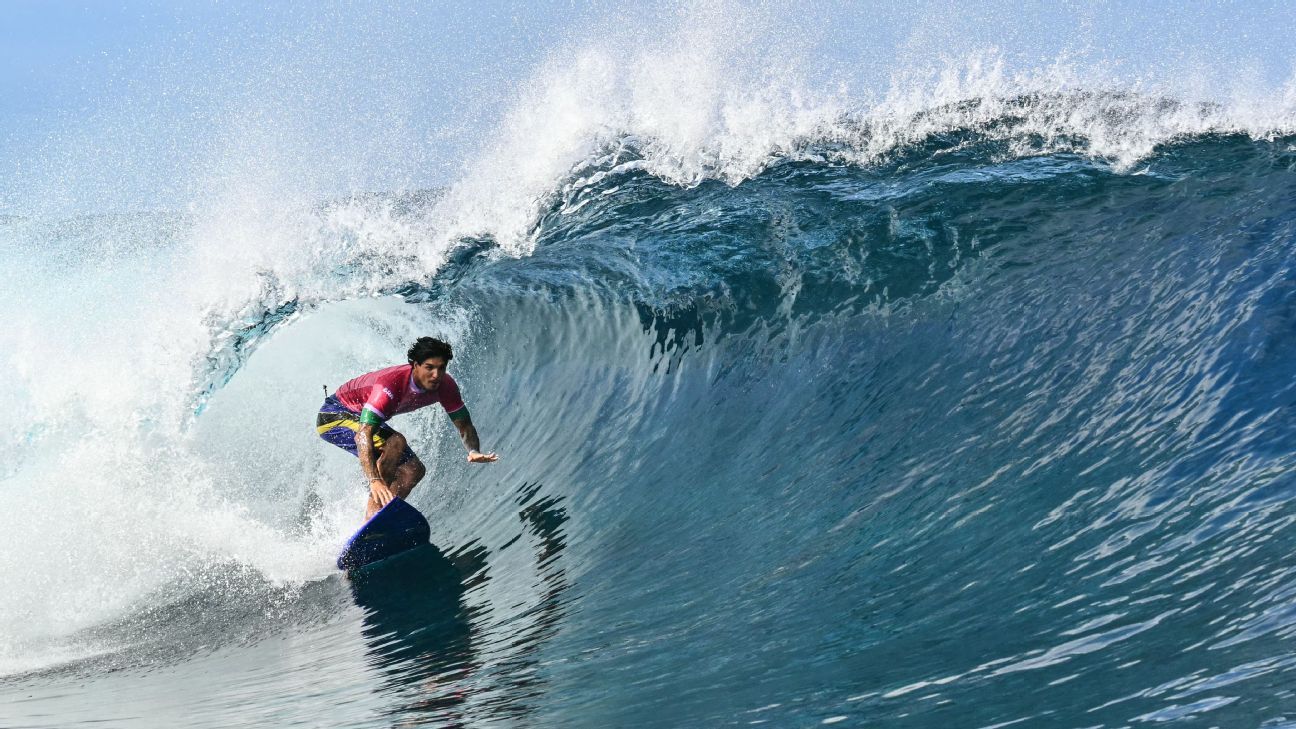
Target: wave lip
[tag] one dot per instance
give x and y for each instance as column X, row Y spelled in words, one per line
column 680, row 114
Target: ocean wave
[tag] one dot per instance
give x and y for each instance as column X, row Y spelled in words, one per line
column 974, row 399
column 681, row 116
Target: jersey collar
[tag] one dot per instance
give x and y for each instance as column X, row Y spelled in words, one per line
column 414, row 387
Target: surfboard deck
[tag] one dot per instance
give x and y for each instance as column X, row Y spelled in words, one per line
column 396, row 528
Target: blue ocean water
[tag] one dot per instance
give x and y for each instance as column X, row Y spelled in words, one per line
column 971, row 409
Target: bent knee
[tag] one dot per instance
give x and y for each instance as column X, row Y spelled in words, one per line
column 414, row 469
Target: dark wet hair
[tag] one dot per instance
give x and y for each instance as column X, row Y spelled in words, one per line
column 425, row 347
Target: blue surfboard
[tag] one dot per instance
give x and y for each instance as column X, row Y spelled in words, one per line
column 397, row 527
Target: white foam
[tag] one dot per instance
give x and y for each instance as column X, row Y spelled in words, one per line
column 719, row 96
column 114, row 491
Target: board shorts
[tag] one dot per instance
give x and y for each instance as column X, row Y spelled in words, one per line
column 337, row 425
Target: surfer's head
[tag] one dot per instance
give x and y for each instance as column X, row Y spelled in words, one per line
column 429, row 358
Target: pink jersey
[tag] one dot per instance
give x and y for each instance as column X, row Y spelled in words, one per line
column 392, row 391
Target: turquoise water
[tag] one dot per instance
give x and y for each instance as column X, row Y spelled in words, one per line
column 957, row 438
column 920, row 366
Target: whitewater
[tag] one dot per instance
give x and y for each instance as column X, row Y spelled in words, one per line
column 959, row 400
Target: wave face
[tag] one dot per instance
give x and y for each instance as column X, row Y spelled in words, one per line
column 981, row 428
column 959, row 439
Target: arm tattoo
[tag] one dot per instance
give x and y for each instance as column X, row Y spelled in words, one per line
column 365, row 449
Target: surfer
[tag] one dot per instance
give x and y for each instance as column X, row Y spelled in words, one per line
column 355, row 419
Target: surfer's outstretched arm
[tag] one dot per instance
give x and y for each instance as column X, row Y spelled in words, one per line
column 468, row 433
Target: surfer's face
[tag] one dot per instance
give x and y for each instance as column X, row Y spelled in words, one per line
column 428, row 372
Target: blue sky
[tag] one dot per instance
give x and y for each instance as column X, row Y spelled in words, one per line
column 105, row 102
column 136, row 84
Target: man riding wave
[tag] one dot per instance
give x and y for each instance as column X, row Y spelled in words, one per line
column 355, row 419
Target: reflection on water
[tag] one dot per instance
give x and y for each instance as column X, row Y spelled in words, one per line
column 428, row 643
column 417, row 632
column 521, row 682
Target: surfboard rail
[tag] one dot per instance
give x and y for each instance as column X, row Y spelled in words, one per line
column 396, row 528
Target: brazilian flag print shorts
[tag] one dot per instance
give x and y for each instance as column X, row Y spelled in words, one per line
column 337, row 425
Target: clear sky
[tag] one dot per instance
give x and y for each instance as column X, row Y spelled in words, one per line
column 135, row 86
column 123, row 104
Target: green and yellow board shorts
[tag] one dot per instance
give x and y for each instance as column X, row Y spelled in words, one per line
column 338, row 426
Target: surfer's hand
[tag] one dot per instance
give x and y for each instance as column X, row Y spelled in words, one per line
column 475, row 457
column 381, row 493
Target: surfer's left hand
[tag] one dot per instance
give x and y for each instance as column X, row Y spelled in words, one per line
column 475, row 457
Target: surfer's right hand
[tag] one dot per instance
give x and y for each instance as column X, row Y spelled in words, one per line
column 381, row 493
